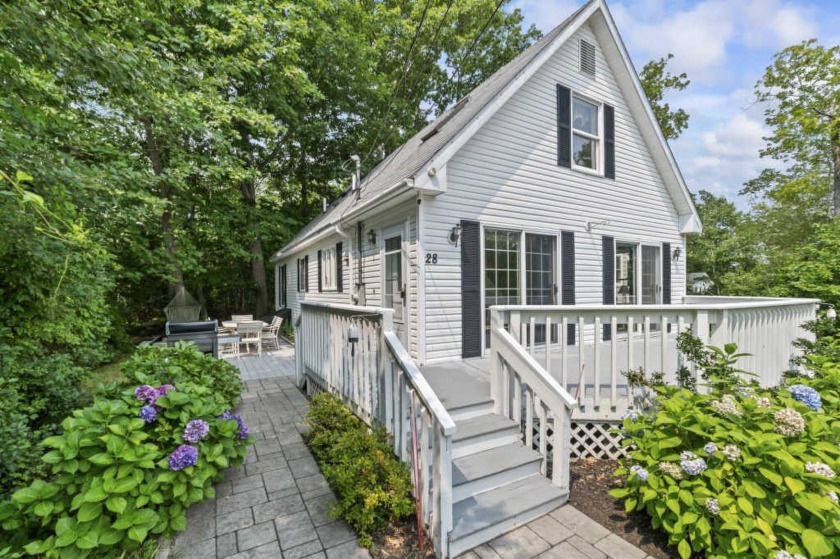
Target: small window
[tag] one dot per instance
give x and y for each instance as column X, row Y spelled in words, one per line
column 586, row 134
column 587, row 58
column 328, row 269
column 303, row 274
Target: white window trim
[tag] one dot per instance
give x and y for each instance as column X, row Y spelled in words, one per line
column 599, row 137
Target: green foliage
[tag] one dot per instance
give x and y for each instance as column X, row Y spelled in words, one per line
column 111, row 486
column 183, row 362
column 656, row 82
column 373, row 485
column 748, row 502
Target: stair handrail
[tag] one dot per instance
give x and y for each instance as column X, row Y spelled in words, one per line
column 514, row 375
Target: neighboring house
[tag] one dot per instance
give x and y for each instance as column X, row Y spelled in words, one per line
column 699, row 283
column 517, row 194
column 524, row 248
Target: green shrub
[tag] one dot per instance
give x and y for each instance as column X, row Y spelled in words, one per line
column 184, row 362
column 373, row 486
column 112, row 480
column 739, row 472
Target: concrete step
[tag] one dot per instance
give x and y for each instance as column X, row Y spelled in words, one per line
column 472, row 409
column 487, row 515
column 480, row 433
column 487, row 470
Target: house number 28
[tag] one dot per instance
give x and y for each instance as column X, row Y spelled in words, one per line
column 431, row 258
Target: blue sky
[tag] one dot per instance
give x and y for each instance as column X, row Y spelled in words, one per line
column 724, row 47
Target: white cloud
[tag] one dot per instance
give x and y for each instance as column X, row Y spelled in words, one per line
column 735, row 140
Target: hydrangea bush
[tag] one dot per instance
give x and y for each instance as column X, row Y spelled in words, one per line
column 742, row 473
column 125, row 468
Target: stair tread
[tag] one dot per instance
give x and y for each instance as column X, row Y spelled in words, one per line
column 486, row 509
column 483, row 424
column 470, row 404
column 488, row 462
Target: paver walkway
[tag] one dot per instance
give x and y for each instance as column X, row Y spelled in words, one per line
column 275, row 505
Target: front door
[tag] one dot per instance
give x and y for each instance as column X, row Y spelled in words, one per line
column 651, row 271
column 394, row 289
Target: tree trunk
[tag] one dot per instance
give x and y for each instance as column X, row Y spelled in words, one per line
column 165, row 193
column 248, row 188
column 304, row 195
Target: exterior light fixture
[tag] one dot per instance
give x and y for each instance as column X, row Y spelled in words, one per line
column 353, row 338
column 372, row 237
column 455, row 234
column 675, row 255
column 831, row 312
column 590, row 225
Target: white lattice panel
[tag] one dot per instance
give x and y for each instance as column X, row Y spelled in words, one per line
column 596, row 440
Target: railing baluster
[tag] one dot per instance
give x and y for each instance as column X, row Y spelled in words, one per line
column 529, row 418
column 532, row 328
column 596, row 364
column 564, row 370
column 613, row 360
column 543, row 435
column 630, row 342
column 517, row 399
column 548, row 334
column 663, row 339
column 647, row 344
column 581, row 346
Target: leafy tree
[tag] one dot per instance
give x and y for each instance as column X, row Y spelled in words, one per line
column 801, row 92
column 657, row 82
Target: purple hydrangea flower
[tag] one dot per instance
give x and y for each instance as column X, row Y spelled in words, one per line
column 164, row 388
column 243, row 431
column 183, row 457
column 146, row 393
column 148, row 413
column 196, row 430
column 640, row 472
column 807, row 396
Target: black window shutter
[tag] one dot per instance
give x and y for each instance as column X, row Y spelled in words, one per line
column 339, row 267
column 298, row 275
column 608, row 267
column 567, row 278
column 564, row 126
column 306, row 273
column 284, row 298
column 609, row 142
column 470, row 289
column 320, row 280
column 666, row 273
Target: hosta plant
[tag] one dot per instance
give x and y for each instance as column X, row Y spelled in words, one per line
column 123, row 469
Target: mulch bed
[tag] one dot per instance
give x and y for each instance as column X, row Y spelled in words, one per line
column 399, row 540
column 591, row 482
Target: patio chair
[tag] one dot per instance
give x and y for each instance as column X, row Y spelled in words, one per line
column 228, row 343
column 250, row 333
column 242, row 317
column 270, row 333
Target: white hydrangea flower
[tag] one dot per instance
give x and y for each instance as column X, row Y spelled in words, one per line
column 726, row 405
column 820, row 469
column 789, row 422
column 710, row 448
column 671, row 469
column 731, row 452
column 713, row 506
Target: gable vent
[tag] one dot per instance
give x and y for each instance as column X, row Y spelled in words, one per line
column 587, row 58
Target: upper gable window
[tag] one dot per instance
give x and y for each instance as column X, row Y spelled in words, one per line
column 586, row 134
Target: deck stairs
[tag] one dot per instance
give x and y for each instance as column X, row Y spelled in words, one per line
column 496, row 482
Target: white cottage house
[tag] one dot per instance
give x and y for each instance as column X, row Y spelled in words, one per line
column 494, row 275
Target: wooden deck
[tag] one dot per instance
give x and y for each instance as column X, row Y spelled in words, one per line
column 272, row 363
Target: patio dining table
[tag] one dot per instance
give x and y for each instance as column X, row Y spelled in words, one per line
column 232, row 323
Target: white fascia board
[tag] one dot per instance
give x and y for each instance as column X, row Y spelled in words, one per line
column 486, row 113
column 661, row 151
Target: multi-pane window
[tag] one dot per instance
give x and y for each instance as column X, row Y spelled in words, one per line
column 501, row 270
column 585, row 134
column 328, row 269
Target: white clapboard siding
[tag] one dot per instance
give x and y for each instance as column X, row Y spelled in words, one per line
column 507, row 176
column 371, row 262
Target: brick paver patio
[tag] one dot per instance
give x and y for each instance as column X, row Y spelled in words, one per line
column 275, row 505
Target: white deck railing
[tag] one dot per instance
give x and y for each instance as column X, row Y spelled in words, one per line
column 522, row 389
column 377, row 378
column 645, row 336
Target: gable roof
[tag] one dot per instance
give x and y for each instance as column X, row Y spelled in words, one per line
column 439, row 139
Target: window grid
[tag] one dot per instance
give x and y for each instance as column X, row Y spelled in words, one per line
column 328, row 269
column 586, row 133
column 501, row 270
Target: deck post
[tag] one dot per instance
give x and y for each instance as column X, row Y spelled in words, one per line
column 496, row 321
